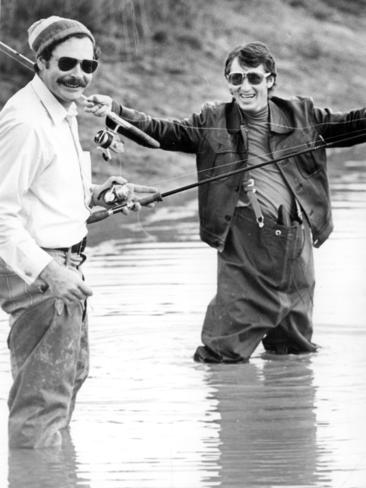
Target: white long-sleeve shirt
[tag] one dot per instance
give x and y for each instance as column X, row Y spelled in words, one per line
column 45, row 180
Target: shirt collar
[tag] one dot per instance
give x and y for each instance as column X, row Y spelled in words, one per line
column 56, row 111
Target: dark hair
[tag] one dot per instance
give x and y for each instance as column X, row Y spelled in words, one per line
column 46, row 54
column 252, row 54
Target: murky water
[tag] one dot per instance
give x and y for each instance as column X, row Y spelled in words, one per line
column 149, row 417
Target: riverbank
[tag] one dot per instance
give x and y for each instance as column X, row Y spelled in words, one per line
column 176, row 55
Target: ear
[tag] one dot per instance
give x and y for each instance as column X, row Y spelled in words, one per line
column 41, row 63
column 270, row 81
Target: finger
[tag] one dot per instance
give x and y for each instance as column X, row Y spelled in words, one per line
column 135, row 206
column 92, row 99
column 69, row 299
column 76, row 295
column 87, row 292
column 118, row 180
column 121, row 192
column 100, row 111
column 145, row 189
column 125, row 211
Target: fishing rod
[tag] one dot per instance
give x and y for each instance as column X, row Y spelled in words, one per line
column 103, row 138
column 23, row 60
column 158, row 197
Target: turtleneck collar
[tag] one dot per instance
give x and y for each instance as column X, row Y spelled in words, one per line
column 254, row 117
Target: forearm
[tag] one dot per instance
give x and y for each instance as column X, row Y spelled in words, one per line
column 173, row 135
column 341, row 129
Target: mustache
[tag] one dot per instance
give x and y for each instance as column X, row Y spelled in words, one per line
column 73, row 81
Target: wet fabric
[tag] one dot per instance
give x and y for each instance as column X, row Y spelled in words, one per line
column 265, row 290
column 49, row 354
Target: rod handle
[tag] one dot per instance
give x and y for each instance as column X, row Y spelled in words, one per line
column 98, row 215
column 131, row 131
column 154, row 197
column 105, row 213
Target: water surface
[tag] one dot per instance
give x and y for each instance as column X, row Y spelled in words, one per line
column 149, row 416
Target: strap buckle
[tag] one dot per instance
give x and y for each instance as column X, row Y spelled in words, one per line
column 249, row 188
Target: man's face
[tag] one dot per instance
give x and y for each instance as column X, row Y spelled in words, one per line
column 249, row 96
column 67, row 86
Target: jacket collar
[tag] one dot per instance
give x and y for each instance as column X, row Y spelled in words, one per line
column 279, row 120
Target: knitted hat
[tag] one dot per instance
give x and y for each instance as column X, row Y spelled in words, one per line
column 44, row 32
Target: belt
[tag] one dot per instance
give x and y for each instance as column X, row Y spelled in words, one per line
column 76, row 248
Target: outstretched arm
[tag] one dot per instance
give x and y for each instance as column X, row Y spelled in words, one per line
column 173, row 135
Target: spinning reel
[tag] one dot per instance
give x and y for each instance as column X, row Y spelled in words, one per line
column 108, row 138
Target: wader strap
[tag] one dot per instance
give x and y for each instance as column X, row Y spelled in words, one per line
column 248, row 186
column 298, row 211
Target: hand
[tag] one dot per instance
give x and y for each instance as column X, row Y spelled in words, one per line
column 99, row 105
column 116, row 190
column 134, row 203
column 113, row 190
column 64, row 283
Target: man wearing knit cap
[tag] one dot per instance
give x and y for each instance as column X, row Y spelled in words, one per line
column 45, row 199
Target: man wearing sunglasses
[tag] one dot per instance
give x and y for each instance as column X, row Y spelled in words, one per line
column 45, row 199
column 263, row 222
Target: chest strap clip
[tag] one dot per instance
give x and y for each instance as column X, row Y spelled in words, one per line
column 250, row 190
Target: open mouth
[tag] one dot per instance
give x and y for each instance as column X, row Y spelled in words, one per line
column 247, row 96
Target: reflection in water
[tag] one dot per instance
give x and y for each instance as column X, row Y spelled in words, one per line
column 268, row 423
column 149, row 417
column 44, row 468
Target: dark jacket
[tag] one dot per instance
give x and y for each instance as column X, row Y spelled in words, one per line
column 217, row 136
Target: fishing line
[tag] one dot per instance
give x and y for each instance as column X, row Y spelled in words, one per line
column 352, row 135
column 284, row 126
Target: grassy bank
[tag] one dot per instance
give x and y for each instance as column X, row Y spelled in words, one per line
column 166, row 57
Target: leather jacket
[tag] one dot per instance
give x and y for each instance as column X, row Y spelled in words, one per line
column 217, row 136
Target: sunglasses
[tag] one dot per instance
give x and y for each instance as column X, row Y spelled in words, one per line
column 253, row 78
column 87, row 65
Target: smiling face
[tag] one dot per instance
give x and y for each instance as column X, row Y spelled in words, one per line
column 250, row 97
column 67, row 86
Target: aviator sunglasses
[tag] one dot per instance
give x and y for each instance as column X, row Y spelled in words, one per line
column 87, row 65
column 253, row 78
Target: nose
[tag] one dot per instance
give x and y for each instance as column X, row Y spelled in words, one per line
column 245, row 84
column 77, row 71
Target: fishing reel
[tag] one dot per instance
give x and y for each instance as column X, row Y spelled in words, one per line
column 108, row 140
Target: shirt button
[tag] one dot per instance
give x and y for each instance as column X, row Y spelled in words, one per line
column 278, row 232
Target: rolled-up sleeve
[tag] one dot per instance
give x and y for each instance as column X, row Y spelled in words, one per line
column 20, row 160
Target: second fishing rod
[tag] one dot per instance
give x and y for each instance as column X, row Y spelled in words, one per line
column 156, row 197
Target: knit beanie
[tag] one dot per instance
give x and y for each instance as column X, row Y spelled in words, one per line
column 44, row 32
